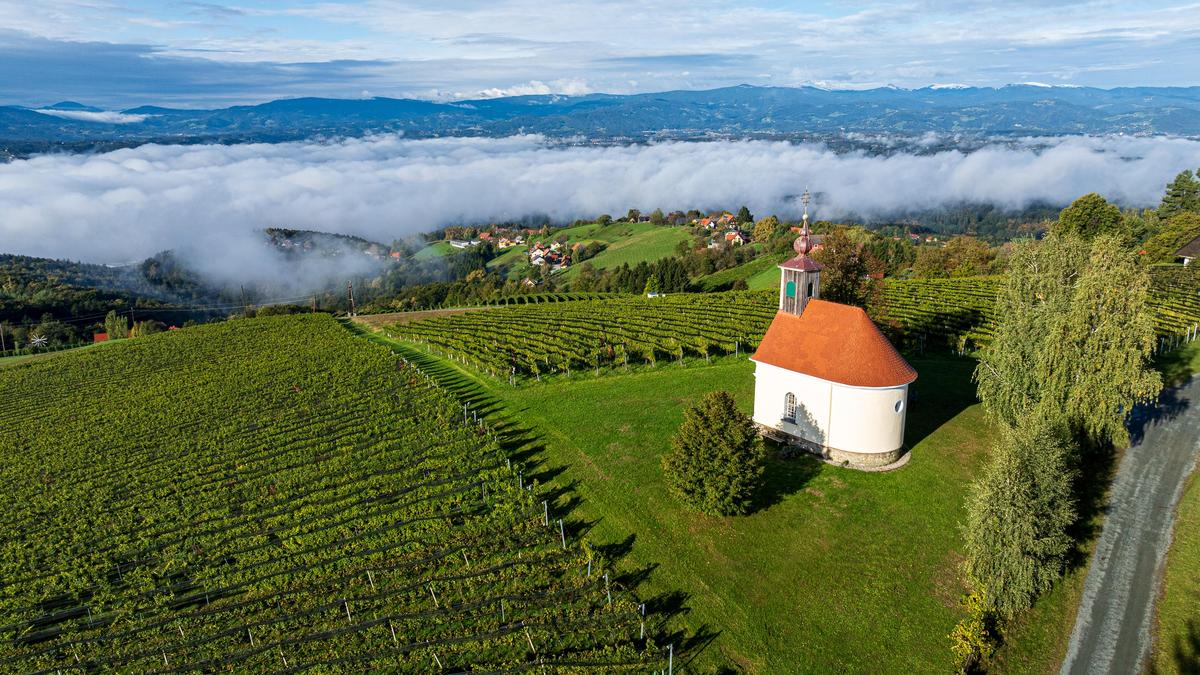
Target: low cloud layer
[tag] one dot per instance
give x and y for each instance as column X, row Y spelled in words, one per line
column 127, row 204
column 101, row 116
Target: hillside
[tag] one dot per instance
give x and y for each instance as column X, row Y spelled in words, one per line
column 741, row 111
column 275, row 494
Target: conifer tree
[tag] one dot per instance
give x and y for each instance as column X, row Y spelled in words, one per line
column 116, row 326
column 1182, row 196
column 717, row 462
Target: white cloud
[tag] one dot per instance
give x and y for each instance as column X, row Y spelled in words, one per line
column 131, row 203
column 568, row 87
column 103, row 116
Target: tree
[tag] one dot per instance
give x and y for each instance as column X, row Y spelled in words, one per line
column 604, row 219
column 844, row 277
column 717, row 461
column 651, row 285
column 968, row 256
column 1018, row 513
column 933, row 262
column 1074, row 335
column 1089, row 216
column 767, row 229
column 633, row 216
column 116, row 326
column 744, row 216
column 1183, row 195
column 1173, row 235
column 657, row 217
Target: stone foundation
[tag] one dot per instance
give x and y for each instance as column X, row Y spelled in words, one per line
column 854, row 460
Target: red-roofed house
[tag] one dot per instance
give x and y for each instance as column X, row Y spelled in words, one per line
column 826, row 378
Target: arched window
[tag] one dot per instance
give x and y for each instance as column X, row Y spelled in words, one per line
column 789, row 407
column 791, row 289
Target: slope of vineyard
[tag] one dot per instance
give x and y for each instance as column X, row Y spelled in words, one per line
column 523, row 342
column 529, row 341
column 277, row 495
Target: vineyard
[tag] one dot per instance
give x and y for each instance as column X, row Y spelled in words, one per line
column 278, row 495
column 527, row 342
column 522, row 343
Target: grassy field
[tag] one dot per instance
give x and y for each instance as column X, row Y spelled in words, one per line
column 759, row 267
column 1177, row 637
column 626, row 243
column 437, row 249
column 836, row 571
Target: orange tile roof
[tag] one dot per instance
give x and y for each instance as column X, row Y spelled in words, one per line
column 834, row 342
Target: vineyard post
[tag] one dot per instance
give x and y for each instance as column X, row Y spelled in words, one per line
column 371, row 579
column 607, row 589
column 393, row 629
column 562, row 533
column 546, row 513
column 671, row 659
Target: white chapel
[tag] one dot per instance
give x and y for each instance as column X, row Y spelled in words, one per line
column 826, row 378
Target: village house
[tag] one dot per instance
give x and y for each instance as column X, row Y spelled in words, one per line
column 1189, row 252
column 737, row 237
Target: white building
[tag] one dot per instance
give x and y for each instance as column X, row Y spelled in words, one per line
column 826, row 378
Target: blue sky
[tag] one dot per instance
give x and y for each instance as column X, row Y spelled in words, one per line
column 116, row 53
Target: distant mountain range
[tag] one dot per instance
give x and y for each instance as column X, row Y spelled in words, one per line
column 733, row 112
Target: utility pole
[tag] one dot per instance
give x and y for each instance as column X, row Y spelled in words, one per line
column 2, row 347
column 314, row 304
column 350, row 293
column 245, row 308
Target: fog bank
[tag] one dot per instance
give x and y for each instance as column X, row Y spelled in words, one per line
column 127, row 204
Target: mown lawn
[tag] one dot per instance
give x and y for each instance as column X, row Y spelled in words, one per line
column 837, row 571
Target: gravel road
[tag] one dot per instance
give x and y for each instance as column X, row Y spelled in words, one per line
column 1112, row 630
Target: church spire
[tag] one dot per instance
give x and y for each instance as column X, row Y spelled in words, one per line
column 801, row 276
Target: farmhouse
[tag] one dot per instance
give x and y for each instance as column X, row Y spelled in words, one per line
column 1189, row 252
column 826, row 378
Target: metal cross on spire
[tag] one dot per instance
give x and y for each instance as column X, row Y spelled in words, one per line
column 805, row 199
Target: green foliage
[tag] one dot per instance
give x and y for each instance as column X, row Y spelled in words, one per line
column 743, row 216
column 1090, row 216
column 1175, row 232
column 267, row 489
column 844, row 277
column 1182, row 196
column 1018, row 513
column 717, row 462
column 652, row 286
column 767, row 229
column 117, row 326
column 960, row 257
column 657, row 217
column 973, row 640
column 1074, row 335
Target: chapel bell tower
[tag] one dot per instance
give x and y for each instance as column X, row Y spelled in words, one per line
column 801, row 278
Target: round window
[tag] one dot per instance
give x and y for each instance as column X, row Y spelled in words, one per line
column 899, row 405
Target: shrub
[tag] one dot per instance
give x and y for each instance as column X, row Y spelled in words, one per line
column 718, row 460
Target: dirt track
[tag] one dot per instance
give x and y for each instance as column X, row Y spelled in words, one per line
column 1112, row 629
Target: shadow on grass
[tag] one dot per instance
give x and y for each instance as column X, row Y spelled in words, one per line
column 1186, row 650
column 785, row 477
column 525, row 449
column 943, row 390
